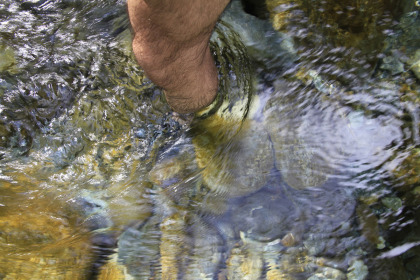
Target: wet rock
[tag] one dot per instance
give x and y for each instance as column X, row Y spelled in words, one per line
column 315, row 246
column 67, row 151
column 325, row 273
column 103, row 245
column 255, row 8
column 7, row 60
column 129, row 202
column 40, row 238
column 410, row 35
column 369, row 225
column 170, row 235
column 207, row 250
column 369, row 199
column 348, row 23
column 387, row 269
column 244, row 263
column 138, row 249
column 176, row 173
column 233, row 164
column 344, row 142
column 415, row 64
column 300, row 167
column 328, row 215
column 113, row 270
column 357, row 271
column 274, row 269
column 392, row 64
column 173, row 244
column 294, row 263
column 299, row 162
column 407, row 174
column 265, row 45
column 393, row 203
column 401, row 45
column 216, row 204
column 174, row 165
column 140, row 133
column 288, row 240
column 93, row 210
column 264, row 216
column 412, row 265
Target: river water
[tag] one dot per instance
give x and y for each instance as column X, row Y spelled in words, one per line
column 307, row 167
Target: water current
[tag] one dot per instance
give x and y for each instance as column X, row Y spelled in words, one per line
column 307, row 167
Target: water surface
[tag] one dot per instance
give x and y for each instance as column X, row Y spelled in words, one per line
column 307, row 168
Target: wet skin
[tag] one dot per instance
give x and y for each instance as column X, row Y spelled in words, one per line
column 171, row 44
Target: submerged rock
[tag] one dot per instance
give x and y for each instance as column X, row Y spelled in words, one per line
column 348, row 23
column 138, row 249
column 415, row 64
column 174, row 166
column 205, row 202
column 357, row 271
column 113, row 270
column 369, row 225
column 7, row 60
column 265, row 216
column 387, row 269
column 207, row 251
column 173, row 244
column 393, row 203
column 407, row 174
column 300, row 167
column 392, row 64
column 41, row 239
column 268, row 47
column 244, row 263
column 299, row 163
column 326, row 273
column 233, row 164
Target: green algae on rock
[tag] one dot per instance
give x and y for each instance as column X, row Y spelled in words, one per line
column 415, row 64
column 7, row 60
column 357, row 271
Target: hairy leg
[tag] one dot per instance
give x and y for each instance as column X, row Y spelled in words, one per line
column 171, row 44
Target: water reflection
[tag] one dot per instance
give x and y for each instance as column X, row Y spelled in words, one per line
column 307, row 168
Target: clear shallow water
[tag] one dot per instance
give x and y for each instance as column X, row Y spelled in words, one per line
column 308, row 170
